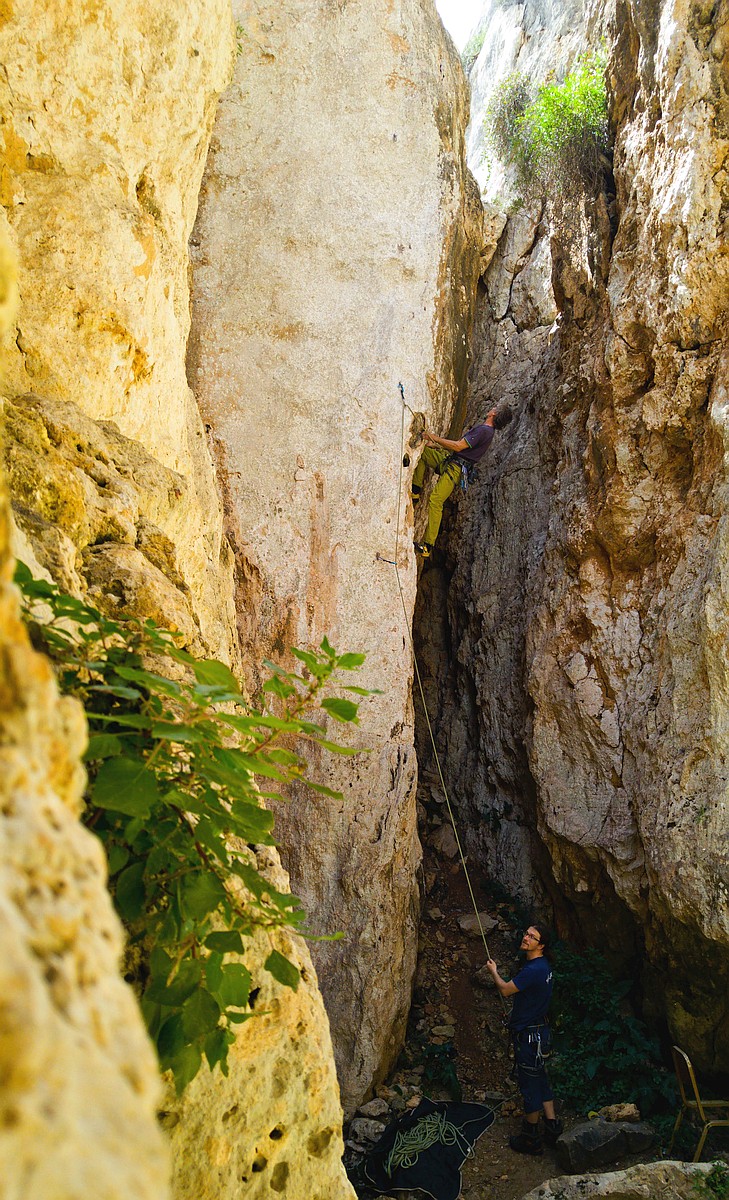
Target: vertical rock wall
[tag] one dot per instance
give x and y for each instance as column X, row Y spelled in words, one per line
column 334, row 257
column 78, row 1077
column 590, row 621
column 107, row 110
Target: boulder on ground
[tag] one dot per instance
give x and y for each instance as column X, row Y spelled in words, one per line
column 468, row 923
column 598, row 1143
column 669, row 1180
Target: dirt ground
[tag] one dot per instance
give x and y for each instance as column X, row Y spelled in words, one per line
column 456, row 1025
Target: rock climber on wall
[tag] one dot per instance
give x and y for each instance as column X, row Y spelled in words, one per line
column 454, row 461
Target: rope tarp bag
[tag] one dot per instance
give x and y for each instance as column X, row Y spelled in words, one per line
column 425, row 1149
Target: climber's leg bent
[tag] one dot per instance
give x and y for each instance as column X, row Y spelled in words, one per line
column 433, row 457
column 438, row 497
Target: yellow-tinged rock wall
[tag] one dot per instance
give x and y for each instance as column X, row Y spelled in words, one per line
column 78, row 1077
column 274, row 1127
column 106, row 115
column 107, row 111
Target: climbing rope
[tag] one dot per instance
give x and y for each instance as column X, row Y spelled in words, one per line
column 420, row 685
column 410, row 1144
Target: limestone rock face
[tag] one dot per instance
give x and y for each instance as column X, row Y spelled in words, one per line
column 99, row 173
column 79, row 1076
column 335, row 254
column 107, row 116
column 670, row 1180
column 588, row 601
column 274, row 1127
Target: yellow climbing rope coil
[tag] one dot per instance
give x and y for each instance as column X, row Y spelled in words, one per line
column 420, row 683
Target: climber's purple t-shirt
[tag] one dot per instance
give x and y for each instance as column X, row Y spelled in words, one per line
column 479, row 440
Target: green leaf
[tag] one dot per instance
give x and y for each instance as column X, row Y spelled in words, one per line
column 130, row 892
column 118, row 857
column 249, row 724
column 155, row 683
column 170, row 1040
column 185, row 1067
column 216, row 674
column 350, row 662
column 214, row 971
column 178, row 989
column 335, row 748
column 201, row 893
column 216, row 1049
column 237, row 1018
column 250, row 822
column 118, row 690
column 130, row 721
column 341, row 710
column 277, row 687
column 174, row 731
column 283, row 970
column 103, row 745
column 324, row 791
column 200, row 1014
column 235, row 987
column 124, row 785
column 320, row 670
column 225, row 942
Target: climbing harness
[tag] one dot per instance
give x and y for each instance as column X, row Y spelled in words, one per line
column 410, row 1143
column 420, row 684
column 468, row 469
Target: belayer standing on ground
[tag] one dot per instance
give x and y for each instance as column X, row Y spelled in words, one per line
column 455, row 462
column 531, row 988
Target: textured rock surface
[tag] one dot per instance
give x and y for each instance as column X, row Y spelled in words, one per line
column 335, row 254
column 100, row 165
column 587, row 697
column 79, row 1083
column 274, row 1127
column 107, row 118
column 595, row 1144
column 669, row 1180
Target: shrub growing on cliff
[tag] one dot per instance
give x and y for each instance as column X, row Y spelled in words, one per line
column 172, row 768
column 473, row 48
column 602, row 1055
column 556, row 139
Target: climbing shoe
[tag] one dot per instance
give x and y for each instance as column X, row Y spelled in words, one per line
column 552, row 1130
column 528, row 1141
column 415, row 493
column 424, row 549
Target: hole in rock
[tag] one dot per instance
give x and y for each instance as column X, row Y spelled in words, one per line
column 259, row 1164
column 279, row 1177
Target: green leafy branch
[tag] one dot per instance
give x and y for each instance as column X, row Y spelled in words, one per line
column 174, row 761
column 556, row 137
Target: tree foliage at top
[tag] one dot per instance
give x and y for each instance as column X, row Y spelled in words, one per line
column 557, row 138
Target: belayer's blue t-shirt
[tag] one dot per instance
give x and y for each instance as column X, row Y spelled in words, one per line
column 531, row 1002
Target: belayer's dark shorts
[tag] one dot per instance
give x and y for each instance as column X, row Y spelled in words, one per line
column 532, row 1048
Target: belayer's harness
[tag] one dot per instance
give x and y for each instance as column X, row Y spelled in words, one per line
column 531, row 1035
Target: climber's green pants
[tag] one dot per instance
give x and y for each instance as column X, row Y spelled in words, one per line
column 434, row 457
